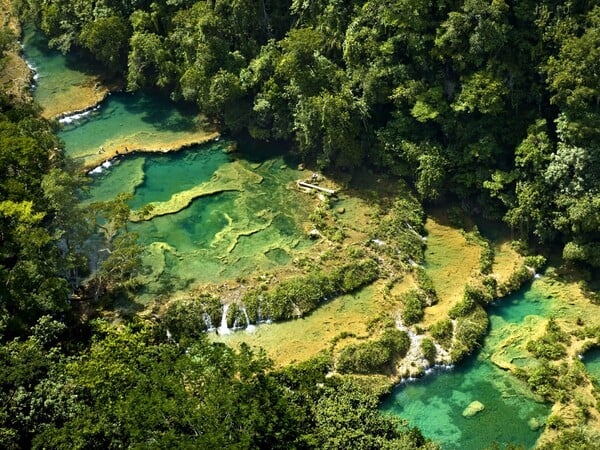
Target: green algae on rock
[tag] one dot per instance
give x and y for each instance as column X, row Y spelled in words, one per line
column 230, row 177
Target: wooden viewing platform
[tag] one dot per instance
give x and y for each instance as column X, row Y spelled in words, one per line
column 313, row 186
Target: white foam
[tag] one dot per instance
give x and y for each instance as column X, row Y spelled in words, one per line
column 77, row 116
column 101, row 168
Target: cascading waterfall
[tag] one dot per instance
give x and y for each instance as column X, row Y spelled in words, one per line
column 249, row 327
column 223, row 328
column 208, row 322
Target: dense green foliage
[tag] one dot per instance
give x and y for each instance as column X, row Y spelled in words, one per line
column 469, row 332
column 34, row 269
column 413, row 303
column 299, row 295
column 442, row 331
column 134, row 388
column 552, row 344
column 491, row 102
column 376, row 356
column 428, row 349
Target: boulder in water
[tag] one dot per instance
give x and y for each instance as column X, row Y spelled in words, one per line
column 535, row 424
column 473, row 408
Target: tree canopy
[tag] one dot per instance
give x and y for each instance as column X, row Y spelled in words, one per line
column 460, row 97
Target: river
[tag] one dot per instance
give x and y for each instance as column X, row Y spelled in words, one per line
column 436, row 402
column 227, row 215
column 220, row 214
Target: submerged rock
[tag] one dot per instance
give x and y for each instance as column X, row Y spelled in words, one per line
column 473, row 409
column 535, row 424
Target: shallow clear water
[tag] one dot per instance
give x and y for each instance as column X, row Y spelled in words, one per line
column 216, row 237
column 63, row 83
column 157, row 177
column 435, row 403
column 221, row 236
column 129, row 121
column 591, row 359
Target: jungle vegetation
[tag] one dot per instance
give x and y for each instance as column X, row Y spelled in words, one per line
column 491, row 104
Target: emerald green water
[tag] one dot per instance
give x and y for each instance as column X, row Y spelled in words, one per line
column 435, row 403
column 217, row 237
column 591, row 359
column 253, row 223
column 128, row 121
column 222, row 236
column 157, row 177
column 59, row 79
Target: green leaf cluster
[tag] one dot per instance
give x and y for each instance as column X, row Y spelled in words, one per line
column 375, row 356
column 300, row 295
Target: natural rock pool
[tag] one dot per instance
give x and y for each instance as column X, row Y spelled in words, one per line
column 591, row 359
column 217, row 215
column 436, row 402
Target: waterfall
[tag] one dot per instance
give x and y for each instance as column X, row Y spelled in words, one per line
column 207, row 322
column 423, row 238
column 223, row 328
column 259, row 318
column 249, row 327
column 412, row 262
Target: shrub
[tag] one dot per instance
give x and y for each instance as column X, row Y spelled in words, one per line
column 535, row 262
column 396, row 340
column 515, row 281
column 251, row 300
column 428, row 349
column 394, row 227
column 490, row 283
column 469, row 331
column 426, row 284
column 356, row 274
column 413, row 307
column 442, row 331
column 543, row 380
column 370, row 357
column 235, row 316
column 550, row 345
column 486, row 259
column 462, row 308
column 186, row 318
column 374, row 356
column 471, row 298
column 478, row 295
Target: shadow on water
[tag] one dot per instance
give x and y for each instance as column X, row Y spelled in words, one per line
column 257, row 152
column 36, row 43
column 591, row 359
column 161, row 113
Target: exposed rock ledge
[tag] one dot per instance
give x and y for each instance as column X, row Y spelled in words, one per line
column 230, row 177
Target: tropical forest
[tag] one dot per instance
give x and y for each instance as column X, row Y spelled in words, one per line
column 300, row 224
